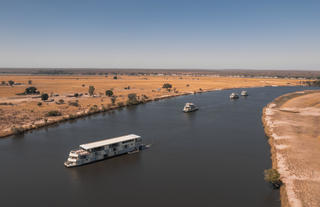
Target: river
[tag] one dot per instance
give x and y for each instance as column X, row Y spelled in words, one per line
column 212, row 157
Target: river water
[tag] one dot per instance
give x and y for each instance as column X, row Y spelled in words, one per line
column 212, row 157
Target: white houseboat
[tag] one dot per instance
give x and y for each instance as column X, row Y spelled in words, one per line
column 234, row 96
column 244, row 93
column 103, row 149
column 189, row 107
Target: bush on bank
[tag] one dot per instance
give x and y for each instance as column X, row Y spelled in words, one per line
column 132, row 99
column 272, row 176
column 54, row 113
column 167, row 86
column 17, row 130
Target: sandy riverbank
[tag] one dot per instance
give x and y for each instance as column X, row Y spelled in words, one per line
column 22, row 112
column 292, row 124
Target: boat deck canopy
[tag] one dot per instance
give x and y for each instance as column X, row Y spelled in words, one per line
column 105, row 142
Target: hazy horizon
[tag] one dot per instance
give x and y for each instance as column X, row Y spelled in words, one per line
column 149, row 34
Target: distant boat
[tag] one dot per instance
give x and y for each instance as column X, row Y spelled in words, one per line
column 244, row 93
column 234, row 96
column 189, row 107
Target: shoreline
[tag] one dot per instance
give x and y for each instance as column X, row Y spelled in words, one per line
column 283, row 146
column 81, row 114
column 268, row 133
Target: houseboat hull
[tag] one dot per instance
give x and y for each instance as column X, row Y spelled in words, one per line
column 190, row 110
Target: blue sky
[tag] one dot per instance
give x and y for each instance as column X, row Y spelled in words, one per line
column 216, row 34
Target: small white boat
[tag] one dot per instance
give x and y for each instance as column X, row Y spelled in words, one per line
column 244, row 93
column 189, row 107
column 234, row 96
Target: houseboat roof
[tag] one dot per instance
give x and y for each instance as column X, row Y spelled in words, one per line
column 108, row 141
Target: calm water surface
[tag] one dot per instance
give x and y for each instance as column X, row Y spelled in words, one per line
column 213, row 157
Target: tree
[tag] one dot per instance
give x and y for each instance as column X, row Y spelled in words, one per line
column 3, row 83
column 44, row 97
column 272, row 176
column 91, row 90
column 31, row 90
column 113, row 100
column 54, row 113
column 109, row 93
column 11, row 82
column 167, row 86
column 115, row 77
column 132, row 99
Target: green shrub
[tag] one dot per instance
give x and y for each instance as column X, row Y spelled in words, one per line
column 54, row 113
column 31, row 90
column 113, row 99
column 10, row 82
column 272, row 176
column 167, row 85
column 91, row 90
column 132, row 99
column 73, row 103
column 44, row 97
column 109, row 93
column 39, row 104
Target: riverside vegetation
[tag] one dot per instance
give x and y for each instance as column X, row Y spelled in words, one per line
column 31, row 101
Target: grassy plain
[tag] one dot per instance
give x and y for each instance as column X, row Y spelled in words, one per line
column 22, row 112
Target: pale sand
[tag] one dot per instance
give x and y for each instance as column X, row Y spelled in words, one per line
column 292, row 122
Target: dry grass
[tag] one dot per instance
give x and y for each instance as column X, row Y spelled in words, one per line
column 25, row 112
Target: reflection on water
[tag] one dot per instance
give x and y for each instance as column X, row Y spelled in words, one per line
column 212, row 157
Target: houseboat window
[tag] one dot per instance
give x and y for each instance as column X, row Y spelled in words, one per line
column 114, row 145
column 98, row 148
column 83, row 156
column 125, row 146
column 124, row 142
